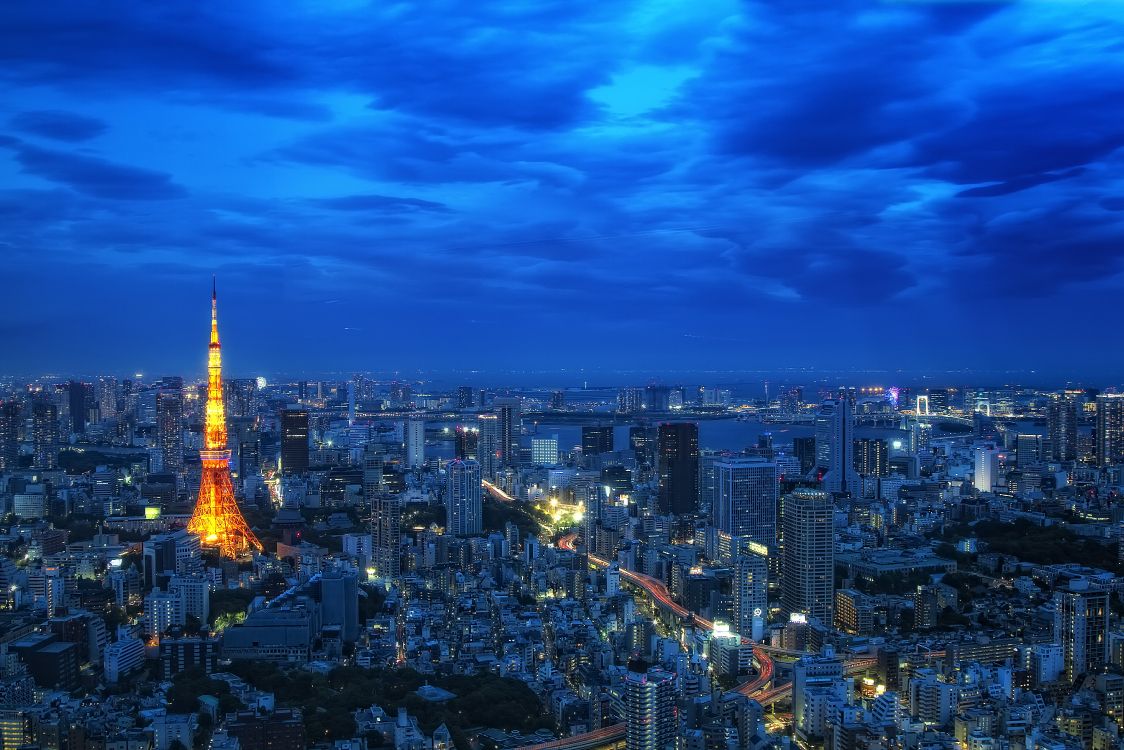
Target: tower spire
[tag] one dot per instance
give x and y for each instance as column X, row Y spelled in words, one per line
column 217, row 519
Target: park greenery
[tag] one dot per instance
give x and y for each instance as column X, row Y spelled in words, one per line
column 328, row 702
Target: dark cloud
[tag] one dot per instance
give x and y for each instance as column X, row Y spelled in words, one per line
column 61, row 126
column 94, row 176
column 379, row 204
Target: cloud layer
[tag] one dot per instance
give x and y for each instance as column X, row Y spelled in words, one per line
column 591, row 186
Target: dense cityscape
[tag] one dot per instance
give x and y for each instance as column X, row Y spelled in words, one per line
column 555, row 375
column 234, row 563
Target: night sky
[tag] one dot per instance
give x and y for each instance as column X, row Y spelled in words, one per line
column 598, row 186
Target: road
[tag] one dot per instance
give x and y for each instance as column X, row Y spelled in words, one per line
column 755, row 688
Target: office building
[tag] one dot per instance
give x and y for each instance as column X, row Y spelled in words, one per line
column 106, row 398
column 1028, row 450
column 122, row 657
column 544, row 451
column 162, row 610
column 195, row 596
column 808, row 571
column 465, row 442
column 872, row 457
column 81, row 397
column 597, row 439
column 294, row 441
column 746, row 499
column 986, row 474
column 817, row 687
column 45, row 434
column 465, row 395
column 9, row 435
column 750, row 589
column 386, row 517
column 1109, row 433
column 1081, row 627
column 651, row 714
column 509, row 412
column 1061, row 427
column 464, row 509
column 839, row 431
column 630, row 400
column 169, row 429
column 415, row 443
column 678, row 467
column 488, row 444
column 283, row 729
column 804, row 448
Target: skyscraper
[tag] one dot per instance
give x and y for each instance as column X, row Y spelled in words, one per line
column 488, row 444
column 872, row 458
column 45, row 433
column 509, row 411
column 597, row 439
column 1061, row 427
column 81, row 400
column 107, row 398
column 464, row 507
column 544, row 451
column 808, row 573
column 1081, row 627
column 1028, row 450
column 217, row 520
column 750, row 589
column 169, row 429
column 464, row 397
column 1110, row 429
column 841, row 476
column 986, row 474
column 386, row 517
column 651, row 715
column 9, row 435
column 415, row 443
column 746, row 499
column 678, row 466
column 465, row 441
column 294, row 441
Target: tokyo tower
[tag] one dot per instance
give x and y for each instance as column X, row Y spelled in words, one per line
column 217, row 519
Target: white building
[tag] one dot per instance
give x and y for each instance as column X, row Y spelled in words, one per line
column 122, row 657
column 987, row 468
column 195, row 596
column 464, row 502
column 544, row 451
column 162, row 610
column 415, row 443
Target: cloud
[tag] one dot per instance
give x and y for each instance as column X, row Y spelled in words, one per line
column 60, row 126
column 379, row 204
column 94, row 176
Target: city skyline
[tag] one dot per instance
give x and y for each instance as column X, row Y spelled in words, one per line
column 623, row 180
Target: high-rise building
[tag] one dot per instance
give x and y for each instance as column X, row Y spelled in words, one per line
column 1061, row 427
column 872, row 457
column 217, row 521
column 986, row 474
column 597, row 439
column 938, row 401
column 808, row 572
column 45, row 433
column 465, row 442
column 464, row 502
column 465, row 394
column 386, row 516
column 640, row 441
column 630, row 400
column 804, row 448
column 817, row 685
column 415, row 443
column 657, row 398
column 1028, row 450
column 678, row 467
column 294, row 441
column 746, row 499
column 509, row 411
column 9, row 435
column 651, row 714
column 488, row 444
column 1110, row 429
column 841, row 476
column 169, row 429
column 750, row 589
column 1081, row 627
column 106, row 395
column 544, row 451
column 81, row 401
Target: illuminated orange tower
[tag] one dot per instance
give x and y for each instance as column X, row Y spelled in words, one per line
column 216, row 519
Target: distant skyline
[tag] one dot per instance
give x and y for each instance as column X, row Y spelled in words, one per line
column 544, row 187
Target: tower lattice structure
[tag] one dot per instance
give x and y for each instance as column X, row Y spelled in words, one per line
column 217, row 519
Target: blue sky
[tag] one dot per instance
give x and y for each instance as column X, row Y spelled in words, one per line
column 583, row 185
